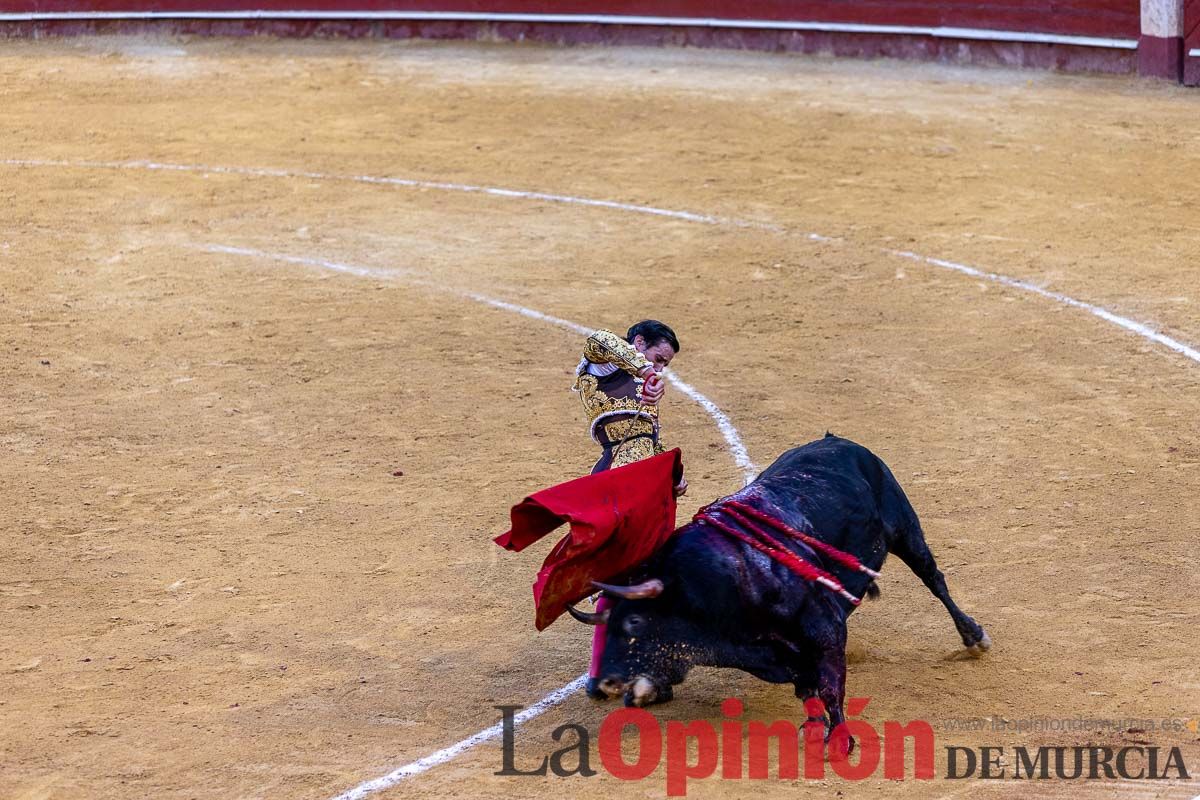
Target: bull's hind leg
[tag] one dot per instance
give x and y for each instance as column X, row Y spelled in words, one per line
column 912, row 550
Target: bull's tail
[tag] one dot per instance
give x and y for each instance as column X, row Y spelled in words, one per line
column 872, row 592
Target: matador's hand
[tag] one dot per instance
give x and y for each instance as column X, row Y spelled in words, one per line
column 653, row 388
column 681, row 487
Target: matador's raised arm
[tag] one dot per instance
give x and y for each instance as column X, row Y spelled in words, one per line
column 605, row 347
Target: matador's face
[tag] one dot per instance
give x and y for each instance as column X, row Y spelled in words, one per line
column 659, row 355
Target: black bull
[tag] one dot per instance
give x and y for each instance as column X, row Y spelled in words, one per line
column 706, row 599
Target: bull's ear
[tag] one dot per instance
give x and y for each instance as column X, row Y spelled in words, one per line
column 640, row 591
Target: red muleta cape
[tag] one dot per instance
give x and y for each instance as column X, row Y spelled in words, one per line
column 618, row 518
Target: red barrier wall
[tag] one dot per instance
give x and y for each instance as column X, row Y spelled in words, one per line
column 1191, row 41
column 1115, row 18
column 1109, row 19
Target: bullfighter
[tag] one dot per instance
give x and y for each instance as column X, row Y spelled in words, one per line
column 619, row 381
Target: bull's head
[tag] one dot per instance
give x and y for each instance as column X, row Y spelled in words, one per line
column 648, row 644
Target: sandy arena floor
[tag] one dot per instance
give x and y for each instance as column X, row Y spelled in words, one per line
column 213, row 585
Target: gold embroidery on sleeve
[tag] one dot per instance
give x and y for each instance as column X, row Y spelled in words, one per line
column 605, row 347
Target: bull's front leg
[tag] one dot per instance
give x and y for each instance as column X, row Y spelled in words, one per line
column 831, row 686
column 816, row 713
column 824, row 677
column 831, row 675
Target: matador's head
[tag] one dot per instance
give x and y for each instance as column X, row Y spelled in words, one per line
column 655, row 340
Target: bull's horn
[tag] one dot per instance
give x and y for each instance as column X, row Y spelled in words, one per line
column 640, row 591
column 589, row 617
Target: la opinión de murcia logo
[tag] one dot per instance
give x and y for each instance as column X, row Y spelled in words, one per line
column 736, row 749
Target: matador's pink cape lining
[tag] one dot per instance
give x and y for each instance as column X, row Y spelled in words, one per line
column 618, row 518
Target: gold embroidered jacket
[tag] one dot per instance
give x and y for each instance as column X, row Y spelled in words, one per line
column 612, row 400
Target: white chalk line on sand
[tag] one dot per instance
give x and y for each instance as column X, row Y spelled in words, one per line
column 737, row 449
column 448, row 753
column 494, row 191
column 733, row 440
column 1139, row 328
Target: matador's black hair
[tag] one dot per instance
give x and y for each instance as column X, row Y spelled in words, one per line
column 653, row 332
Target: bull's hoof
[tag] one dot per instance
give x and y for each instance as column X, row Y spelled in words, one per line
column 983, row 645
column 972, row 651
column 644, row 693
column 594, row 691
column 839, row 742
